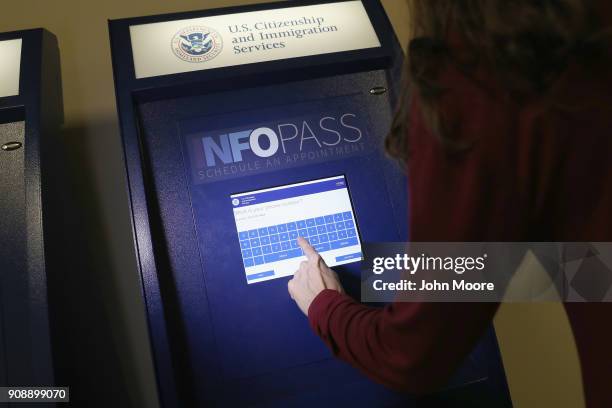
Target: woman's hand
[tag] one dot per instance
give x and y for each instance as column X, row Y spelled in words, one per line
column 312, row 278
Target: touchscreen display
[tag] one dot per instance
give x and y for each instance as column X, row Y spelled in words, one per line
column 269, row 221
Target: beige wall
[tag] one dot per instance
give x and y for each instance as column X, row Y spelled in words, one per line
column 534, row 339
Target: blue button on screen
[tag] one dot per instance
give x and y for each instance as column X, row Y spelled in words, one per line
column 342, row 258
column 260, row 275
column 343, row 243
column 323, row 247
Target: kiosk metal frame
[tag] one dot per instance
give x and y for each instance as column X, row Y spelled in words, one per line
column 131, row 91
column 25, row 323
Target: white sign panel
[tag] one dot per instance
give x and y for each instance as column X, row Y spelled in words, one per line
column 10, row 63
column 243, row 38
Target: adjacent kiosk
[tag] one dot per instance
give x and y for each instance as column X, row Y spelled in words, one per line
column 244, row 128
column 30, row 115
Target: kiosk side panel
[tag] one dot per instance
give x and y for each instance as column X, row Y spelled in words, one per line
column 13, row 257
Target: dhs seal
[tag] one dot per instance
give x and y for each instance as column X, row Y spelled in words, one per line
column 197, row 44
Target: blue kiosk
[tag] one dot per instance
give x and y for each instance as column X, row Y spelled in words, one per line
column 244, row 128
column 30, row 116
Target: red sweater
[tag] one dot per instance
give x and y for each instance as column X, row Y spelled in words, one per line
column 534, row 174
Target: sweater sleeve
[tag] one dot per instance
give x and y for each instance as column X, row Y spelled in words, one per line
column 416, row 347
column 412, row 347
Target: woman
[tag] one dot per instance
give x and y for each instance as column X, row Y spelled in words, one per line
column 506, row 132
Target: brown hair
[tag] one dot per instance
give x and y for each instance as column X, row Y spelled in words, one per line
column 524, row 44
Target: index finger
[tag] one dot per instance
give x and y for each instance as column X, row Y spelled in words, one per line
column 309, row 251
